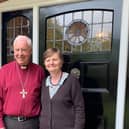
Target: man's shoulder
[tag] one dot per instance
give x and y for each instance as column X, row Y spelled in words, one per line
column 36, row 66
column 8, row 65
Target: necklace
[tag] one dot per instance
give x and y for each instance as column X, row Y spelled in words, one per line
column 23, row 92
column 58, row 80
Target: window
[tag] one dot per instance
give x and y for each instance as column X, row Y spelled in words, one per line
column 16, row 25
column 97, row 35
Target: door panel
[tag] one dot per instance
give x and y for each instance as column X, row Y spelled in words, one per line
column 14, row 23
column 88, row 37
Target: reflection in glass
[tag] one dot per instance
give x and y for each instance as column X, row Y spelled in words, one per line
column 77, row 15
column 50, row 34
column 107, row 28
column 98, row 39
column 58, row 44
column 68, row 19
column 97, row 17
column 50, row 22
column 88, row 16
column 59, row 33
column 108, row 16
column 16, row 25
column 97, row 28
column 67, row 47
column 59, row 20
column 50, row 44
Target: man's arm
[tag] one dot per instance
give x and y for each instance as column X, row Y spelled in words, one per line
column 1, row 99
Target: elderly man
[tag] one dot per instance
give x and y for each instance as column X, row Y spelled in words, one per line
column 20, row 84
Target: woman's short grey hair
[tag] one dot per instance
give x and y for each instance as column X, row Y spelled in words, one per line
column 28, row 40
column 50, row 51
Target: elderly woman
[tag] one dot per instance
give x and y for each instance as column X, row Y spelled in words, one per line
column 62, row 100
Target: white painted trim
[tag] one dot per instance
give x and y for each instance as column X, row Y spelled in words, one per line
column 25, row 4
column 122, row 72
column 35, row 52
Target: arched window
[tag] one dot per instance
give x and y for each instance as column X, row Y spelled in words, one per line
column 15, row 26
column 81, row 31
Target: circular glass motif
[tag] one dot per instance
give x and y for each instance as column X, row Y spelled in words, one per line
column 77, row 32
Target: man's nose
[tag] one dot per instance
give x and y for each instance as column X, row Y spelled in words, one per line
column 20, row 52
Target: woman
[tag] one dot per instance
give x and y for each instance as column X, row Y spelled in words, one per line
column 62, row 100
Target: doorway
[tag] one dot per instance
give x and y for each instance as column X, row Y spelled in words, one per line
column 14, row 23
column 84, row 32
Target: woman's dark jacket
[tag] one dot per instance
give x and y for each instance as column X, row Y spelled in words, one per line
column 66, row 109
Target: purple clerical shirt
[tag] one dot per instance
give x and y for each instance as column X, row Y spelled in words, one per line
column 13, row 80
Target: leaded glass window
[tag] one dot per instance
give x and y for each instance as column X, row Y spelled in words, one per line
column 15, row 26
column 89, row 31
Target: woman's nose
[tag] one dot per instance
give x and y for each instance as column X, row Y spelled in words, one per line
column 51, row 62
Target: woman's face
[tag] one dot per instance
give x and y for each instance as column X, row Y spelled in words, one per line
column 53, row 63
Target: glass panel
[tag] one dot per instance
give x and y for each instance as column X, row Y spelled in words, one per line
column 50, row 22
column 49, row 44
column 97, row 23
column 60, row 20
column 17, row 31
column 108, row 16
column 85, row 47
column 10, row 23
column 50, row 34
column 77, row 15
column 58, row 44
column 10, row 33
column 68, row 19
column 18, row 21
column 25, row 30
column 76, row 49
column 97, row 17
column 88, row 16
column 15, row 26
column 59, row 33
column 107, row 28
column 96, row 31
column 67, row 47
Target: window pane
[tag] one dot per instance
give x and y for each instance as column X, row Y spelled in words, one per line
column 15, row 26
column 88, row 16
column 97, row 23
column 50, row 34
column 97, row 17
column 59, row 20
column 107, row 16
column 68, row 19
column 50, row 22
column 59, row 33
column 77, row 15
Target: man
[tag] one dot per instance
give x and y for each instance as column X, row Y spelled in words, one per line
column 20, row 84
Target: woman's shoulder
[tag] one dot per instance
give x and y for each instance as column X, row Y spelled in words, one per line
column 72, row 77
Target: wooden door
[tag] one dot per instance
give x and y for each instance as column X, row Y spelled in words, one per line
column 88, row 37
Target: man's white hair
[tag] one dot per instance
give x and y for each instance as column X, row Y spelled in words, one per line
column 28, row 40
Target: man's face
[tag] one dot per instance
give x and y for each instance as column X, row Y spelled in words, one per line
column 22, row 52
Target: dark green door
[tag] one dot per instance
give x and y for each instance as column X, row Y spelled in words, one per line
column 88, row 37
column 126, row 118
column 14, row 23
